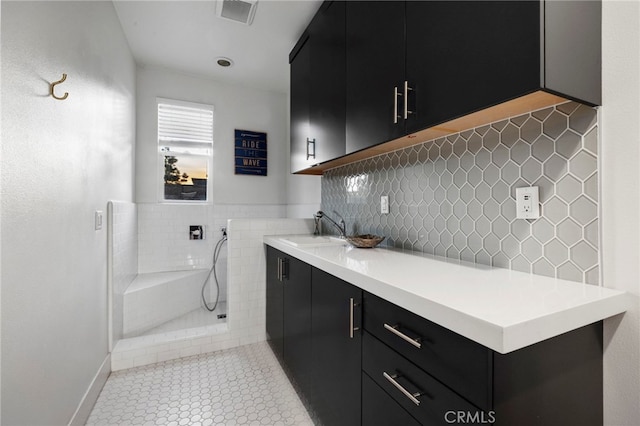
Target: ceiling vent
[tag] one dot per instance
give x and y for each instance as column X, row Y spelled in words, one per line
column 237, row 10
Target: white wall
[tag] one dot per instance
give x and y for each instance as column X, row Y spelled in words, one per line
column 61, row 161
column 235, row 107
column 167, row 247
column 620, row 153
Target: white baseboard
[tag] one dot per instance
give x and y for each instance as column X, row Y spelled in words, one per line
column 90, row 397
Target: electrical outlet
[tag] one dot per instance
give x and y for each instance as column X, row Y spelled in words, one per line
column 384, row 204
column 527, row 203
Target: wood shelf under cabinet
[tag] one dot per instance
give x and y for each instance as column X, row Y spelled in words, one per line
column 522, row 105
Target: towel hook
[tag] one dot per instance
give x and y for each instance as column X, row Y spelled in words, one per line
column 52, row 85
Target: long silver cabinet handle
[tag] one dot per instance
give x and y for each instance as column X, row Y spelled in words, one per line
column 394, row 330
column 393, row 381
column 352, row 305
column 279, row 269
column 406, row 99
column 395, row 104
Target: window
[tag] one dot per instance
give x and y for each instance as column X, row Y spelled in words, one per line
column 185, row 146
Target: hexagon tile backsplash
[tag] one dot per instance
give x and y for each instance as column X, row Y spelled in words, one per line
column 455, row 196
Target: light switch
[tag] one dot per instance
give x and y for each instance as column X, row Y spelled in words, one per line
column 98, row 220
column 384, row 204
column 527, row 203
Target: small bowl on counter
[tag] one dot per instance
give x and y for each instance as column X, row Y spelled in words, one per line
column 365, row 240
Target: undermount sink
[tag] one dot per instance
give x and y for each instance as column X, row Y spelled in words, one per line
column 312, row 240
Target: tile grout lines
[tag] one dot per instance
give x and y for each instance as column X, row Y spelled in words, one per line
column 240, row 386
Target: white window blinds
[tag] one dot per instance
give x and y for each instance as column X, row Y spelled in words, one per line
column 184, row 125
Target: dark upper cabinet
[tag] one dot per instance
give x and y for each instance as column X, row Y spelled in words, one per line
column 416, row 64
column 337, row 339
column 318, row 89
column 300, row 95
column 419, row 65
column 463, row 56
column 375, row 72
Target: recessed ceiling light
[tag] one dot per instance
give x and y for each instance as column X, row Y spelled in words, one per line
column 224, row 62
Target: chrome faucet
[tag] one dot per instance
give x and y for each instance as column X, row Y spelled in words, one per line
column 341, row 226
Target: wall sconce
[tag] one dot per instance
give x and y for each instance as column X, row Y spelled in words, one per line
column 311, row 148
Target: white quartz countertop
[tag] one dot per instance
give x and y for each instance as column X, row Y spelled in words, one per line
column 499, row 308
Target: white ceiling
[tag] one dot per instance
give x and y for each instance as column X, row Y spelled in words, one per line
column 187, row 36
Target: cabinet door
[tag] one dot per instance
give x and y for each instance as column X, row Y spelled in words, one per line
column 300, row 97
column 274, row 303
column 327, row 107
column 297, row 322
column 463, row 56
column 375, row 66
column 337, row 340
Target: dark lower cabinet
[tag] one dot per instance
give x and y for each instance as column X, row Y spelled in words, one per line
column 422, row 396
column 275, row 300
column 288, row 315
column 314, row 326
column 440, row 377
column 554, row 382
column 297, row 322
column 357, row 359
column 379, row 409
column 462, row 364
column 336, row 308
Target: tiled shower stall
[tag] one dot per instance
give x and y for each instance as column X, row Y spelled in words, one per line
column 455, row 196
column 157, row 272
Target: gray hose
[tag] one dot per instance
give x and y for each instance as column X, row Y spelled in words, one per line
column 216, row 254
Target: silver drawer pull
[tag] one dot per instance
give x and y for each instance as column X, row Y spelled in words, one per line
column 352, row 305
column 394, row 330
column 393, row 381
column 395, row 105
column 279, row 269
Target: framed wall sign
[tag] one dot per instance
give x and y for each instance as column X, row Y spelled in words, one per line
column 250, row 153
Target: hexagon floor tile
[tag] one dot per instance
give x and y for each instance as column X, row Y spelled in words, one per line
column 239, row 386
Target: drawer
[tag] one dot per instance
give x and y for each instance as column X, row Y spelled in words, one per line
column 462, row 364
column 379, row 409
column 425, row 398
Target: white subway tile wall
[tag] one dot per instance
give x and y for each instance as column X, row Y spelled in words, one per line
column 455, row 196
column 246, row 301
column 122, row 258
column 157, row 297
column 163, row 237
